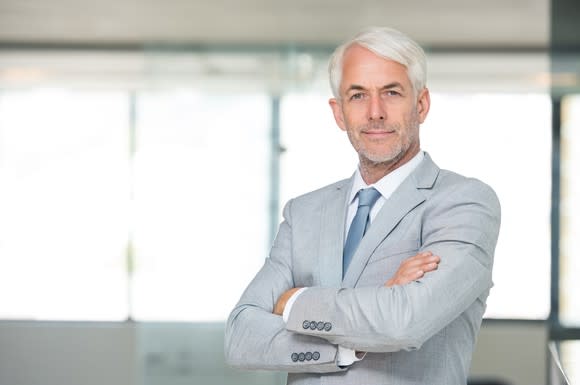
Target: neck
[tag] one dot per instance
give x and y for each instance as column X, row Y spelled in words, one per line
column 372, row 172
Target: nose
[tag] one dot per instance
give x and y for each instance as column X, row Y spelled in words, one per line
column 376, row 109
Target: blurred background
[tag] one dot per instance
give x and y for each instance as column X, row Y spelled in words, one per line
column 137, row 135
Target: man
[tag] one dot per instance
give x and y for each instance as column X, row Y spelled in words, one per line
column 402, row 305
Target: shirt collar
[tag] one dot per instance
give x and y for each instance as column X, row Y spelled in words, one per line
column 390, row 182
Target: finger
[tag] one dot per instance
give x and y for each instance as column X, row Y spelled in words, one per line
column 418, row 256
column 423, row 256
column 410, row 277
column 425, row 261
column 416, row 263
column 429, row 266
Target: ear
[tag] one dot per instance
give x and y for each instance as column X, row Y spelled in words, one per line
column 423, row 104
column 337, row 112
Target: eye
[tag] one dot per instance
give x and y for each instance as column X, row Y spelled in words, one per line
column 357, row 96
column 392, row 93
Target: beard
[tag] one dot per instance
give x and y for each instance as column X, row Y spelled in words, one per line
column 406, row 135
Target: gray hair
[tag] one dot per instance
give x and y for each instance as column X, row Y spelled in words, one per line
column 389, row 44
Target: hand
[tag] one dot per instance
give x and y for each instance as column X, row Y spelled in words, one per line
column 281, row 303
column 414, row 268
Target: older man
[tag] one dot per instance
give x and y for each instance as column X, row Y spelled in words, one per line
column 381, row 278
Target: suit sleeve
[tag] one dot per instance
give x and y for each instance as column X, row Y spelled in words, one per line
column 257, row 339
column 461, row 227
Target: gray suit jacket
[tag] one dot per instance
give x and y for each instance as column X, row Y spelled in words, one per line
column 420, row 333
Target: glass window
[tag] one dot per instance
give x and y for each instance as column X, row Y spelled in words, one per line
column 202, row 198
column 317, row 152
column 63, row 199
column 504, row 140
column 176, row 230
column 570, row 212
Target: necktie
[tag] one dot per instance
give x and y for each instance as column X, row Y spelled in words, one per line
column 358, row 227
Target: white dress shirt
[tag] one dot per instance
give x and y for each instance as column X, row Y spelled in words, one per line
column 386, row 186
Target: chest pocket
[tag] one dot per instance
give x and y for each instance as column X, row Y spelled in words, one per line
column 385, row 261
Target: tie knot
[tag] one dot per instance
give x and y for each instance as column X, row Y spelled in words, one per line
column 368, row 197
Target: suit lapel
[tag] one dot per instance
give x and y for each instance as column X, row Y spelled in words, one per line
column 404, row 199
column 332, row 235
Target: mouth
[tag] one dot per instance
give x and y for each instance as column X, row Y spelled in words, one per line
column 378, row 134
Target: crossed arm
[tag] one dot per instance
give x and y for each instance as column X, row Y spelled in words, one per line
column 410, row 308
column 411, row 269
column 270, row 345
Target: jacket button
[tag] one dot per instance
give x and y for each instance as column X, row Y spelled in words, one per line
column 320, row 325
column 312, row 325
column 308, row 356
column 328, row 326
column 305, row 324
column 315, row 356
column 301, row 357
column 294, row 357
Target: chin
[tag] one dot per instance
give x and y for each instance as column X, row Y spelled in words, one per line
column 382, row 157
column 379, row 159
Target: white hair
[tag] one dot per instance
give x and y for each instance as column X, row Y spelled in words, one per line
column 387, row 43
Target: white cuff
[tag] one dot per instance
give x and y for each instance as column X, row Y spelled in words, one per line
column 290, row 302
column 346, row 356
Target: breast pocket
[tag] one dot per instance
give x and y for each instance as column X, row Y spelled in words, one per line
column 385, row 261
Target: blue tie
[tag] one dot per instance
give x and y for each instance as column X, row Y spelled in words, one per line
column 360, row 222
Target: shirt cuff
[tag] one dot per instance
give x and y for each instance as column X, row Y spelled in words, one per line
column 290, row 302
column 346, row 356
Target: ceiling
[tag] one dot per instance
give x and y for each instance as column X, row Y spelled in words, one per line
column 443, row 23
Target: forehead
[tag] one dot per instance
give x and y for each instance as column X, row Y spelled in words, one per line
column 363, row 67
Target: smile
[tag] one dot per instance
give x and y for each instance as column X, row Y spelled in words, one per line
column 378, row 134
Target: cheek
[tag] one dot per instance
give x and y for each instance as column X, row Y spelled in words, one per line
column 355, row 113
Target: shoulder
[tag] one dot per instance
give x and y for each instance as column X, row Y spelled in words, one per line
column 324, row 191
column 315, row 198
column 453, row 187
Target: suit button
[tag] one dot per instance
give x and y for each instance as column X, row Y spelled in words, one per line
column 308, row 356
column 301, row 357
column 305, row 324
column 294, row 357
column 315, row 356
column 320, row 325
column 312, row 325
column 328, row 326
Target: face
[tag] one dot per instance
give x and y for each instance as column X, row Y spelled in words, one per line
column 378, row 108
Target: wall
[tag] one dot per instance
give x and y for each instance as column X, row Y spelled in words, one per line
column 512, row 351
column 67, row 353
column 47, row 353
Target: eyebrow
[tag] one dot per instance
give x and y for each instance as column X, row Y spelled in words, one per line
column 357, row 87
column 393, row 85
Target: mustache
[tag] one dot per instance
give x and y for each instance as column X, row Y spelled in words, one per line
column 380, row 125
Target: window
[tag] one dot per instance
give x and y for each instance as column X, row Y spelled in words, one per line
column 201, row 208
column 569, row 209
column 149, row 196
column 64, row 202
column 504, row 140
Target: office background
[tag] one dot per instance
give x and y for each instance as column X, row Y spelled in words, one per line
column 135, row 134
